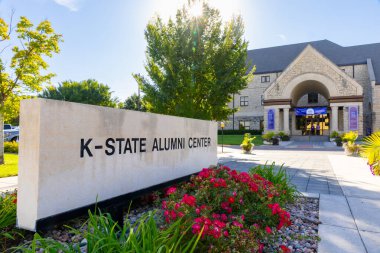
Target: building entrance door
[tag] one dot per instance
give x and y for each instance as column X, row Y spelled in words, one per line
column 315, row 124
column 313, row 121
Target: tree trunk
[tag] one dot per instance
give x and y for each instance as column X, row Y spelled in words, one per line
column 1, row 139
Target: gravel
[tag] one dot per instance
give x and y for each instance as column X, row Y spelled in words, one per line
column 301, row 236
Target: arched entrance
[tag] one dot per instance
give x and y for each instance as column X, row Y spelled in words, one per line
column 310, row 112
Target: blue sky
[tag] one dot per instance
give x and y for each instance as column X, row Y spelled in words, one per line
column 105, row 39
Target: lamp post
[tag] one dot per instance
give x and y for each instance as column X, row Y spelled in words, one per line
column 222, row 126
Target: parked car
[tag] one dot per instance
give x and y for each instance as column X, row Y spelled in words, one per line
column 8, row 127
column 11, row 135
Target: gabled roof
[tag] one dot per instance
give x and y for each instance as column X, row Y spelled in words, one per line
column 276, row 59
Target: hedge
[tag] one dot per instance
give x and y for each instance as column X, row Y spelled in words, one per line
column 240, row 132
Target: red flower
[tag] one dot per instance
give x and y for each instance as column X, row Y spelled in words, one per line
column 189, row 200
column 285, row 249
column 171, row 190
column 205, row 173
column 219, row 223
column 15, row 201
column 231, row 200
column 225, row 233
column 196, row 228
column 164, row 205
column 237, row 224
column 268, row 230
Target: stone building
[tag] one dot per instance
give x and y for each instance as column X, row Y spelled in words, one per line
column 311, row 88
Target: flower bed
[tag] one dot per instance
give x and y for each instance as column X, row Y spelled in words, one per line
column 233, row 211
column 219, row 210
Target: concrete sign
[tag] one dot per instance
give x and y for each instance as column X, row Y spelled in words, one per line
column 72, row 155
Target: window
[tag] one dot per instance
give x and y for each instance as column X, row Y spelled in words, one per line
column 262, row 99
column 244, row 124
column 265, row 79
column 244, row 101
column 312, row 98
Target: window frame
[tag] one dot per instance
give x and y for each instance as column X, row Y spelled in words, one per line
column 244, row 124
column 244, row 101
column 311, row 99
column 265, row 79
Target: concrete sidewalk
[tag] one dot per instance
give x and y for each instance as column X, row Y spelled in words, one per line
column 351, row 223
column 8, row 183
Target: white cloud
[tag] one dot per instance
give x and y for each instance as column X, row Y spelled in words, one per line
column 282, row 37
column 72, row 5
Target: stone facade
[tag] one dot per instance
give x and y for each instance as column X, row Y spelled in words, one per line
column 337, row 86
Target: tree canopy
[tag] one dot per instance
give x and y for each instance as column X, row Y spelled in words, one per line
column 27, row 69
column 134, row 103
column 87, row 92
column 194, row 64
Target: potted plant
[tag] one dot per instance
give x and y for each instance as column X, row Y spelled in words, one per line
column 283, row 136
column 247, row 143
column 371, row 151
column 333, row 136
column 338, row 141
column 349, row 145
column 268, row 137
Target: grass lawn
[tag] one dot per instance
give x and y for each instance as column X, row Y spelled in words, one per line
column 10, row 168
column 237, row 139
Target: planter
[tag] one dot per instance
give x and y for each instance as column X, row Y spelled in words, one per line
column 275, row 141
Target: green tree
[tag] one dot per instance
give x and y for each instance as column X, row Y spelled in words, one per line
column 134, row 103
column 194, row 64
column 11, row 112
column 27, row 70
column 87, row 92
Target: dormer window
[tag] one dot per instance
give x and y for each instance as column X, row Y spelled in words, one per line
column 265, row 79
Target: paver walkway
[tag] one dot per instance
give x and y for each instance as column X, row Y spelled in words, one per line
column 309, row 169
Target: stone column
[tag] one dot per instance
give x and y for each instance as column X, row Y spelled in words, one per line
column 345, row 119
column 276, row 119
column 334, row 118
column 286, row 120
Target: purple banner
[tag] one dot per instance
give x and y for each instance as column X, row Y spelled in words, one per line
column 270, row 119
column 353, row 117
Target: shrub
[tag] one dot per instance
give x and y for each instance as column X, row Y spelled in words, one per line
column 247, row 144
column 371, row 151
column 11, row 147
column 7, row 218
column 240, row 132
column 280, row 180
column 235, row 210
column 283, row 136
column 268, row 136
column 334, row 134
column 350, row 137
column 105, row 235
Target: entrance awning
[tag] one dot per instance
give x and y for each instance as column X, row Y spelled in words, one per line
column 303, row 111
